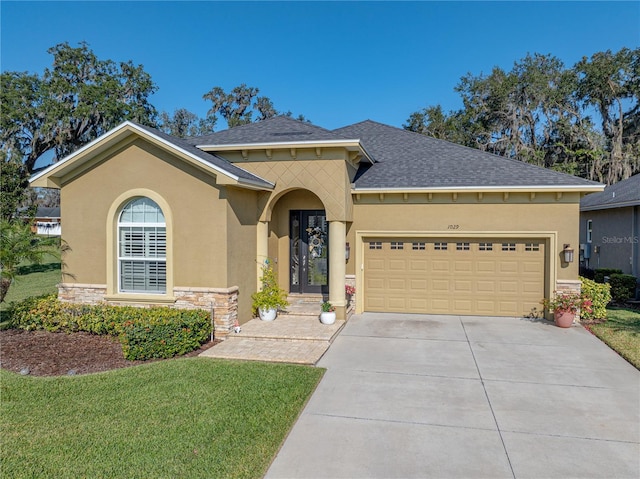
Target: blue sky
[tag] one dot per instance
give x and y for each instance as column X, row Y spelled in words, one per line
column 335, row 62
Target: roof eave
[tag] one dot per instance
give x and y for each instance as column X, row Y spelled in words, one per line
column 351, row 145
column 50, row 176
column 485, row 189
column 623, row 204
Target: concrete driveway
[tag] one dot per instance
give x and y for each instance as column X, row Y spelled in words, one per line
column 466, row 397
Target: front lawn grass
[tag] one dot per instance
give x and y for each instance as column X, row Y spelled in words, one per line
column 188, row 418
column 33, row 280
column 621, row 332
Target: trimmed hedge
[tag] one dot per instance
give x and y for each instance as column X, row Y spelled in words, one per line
column 163, row 332
column 600, row 273
column 623, row 286
column 144, row 333
column 599, row 295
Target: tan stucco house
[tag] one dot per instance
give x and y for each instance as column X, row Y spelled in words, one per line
column 416, row 224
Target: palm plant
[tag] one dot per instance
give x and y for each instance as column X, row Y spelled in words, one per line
column 18, row 244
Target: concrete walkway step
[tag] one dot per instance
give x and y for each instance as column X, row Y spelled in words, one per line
column 289, row 339
column 288, row 327
column 303, row 305
column 254, row 349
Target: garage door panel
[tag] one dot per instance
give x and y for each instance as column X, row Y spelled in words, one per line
column 462, row 306
column 397, row 284
column 397, row 304
column 470, row 276
column 440, row 285
column 375, row 284
column 485, row 307
column 440, row 305
column 461, row 286
column 509, row 266
column 397, row 265
column 462, row 266
column 375, row 265
column 375, row 303
column 485, row 286
column 530, row 287
column 417, row 305
column 532, row 267
column 508, row 287
column 439, row 266
column 418, row 265
column 485, row 266
column 508, row 308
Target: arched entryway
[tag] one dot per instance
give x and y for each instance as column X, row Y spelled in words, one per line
column 299, row 242
column 306, row 245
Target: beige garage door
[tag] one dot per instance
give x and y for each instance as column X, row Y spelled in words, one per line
column 502, row 277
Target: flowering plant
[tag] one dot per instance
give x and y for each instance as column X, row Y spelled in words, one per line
column 349, row 290
column 567, row 303
column 327, row 307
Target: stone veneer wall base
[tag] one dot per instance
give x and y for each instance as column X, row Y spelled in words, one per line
column 223, row 301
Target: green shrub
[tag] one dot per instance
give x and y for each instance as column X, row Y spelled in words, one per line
column 41, row 312
column 163, row 332
column 623, row 286
column 144, row 333
column 599, row 295
column 600, row 273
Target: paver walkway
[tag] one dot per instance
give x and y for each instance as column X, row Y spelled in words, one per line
column 288, row 339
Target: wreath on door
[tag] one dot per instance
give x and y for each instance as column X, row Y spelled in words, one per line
column 316, row 241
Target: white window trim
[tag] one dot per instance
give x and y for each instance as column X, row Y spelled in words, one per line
column 112, row 249
column 148, row 259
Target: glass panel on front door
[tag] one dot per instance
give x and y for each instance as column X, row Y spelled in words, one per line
column 309, row 235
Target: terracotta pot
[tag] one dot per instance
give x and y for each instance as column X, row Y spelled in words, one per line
column 564, row 319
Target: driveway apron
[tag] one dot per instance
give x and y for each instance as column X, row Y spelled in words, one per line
column 466, row 397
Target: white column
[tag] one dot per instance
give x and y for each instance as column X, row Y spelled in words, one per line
column 337, row 263
column 262, row 249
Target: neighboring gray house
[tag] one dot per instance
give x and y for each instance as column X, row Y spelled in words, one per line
column 610, row 227
column 47, row 221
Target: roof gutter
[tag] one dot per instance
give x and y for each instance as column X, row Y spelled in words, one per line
column 354, row 144
column 623, row 204
column 483, row 189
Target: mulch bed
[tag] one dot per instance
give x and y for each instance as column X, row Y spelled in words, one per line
column 42, row 353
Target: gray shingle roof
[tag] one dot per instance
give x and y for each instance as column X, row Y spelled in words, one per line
column 207, row 157
column 48, row 212
column 403, row 159
column 620, row 194
column 274, row 130
column 406, row 159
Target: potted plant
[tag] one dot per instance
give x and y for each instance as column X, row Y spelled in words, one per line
column 328, row 314
column 349, row 292
column 565, row 306
column 271, row 297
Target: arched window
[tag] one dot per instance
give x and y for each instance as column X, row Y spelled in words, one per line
column 142, row 248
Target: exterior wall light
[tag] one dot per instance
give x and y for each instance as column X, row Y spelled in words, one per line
column 347, row 252
column 568, row 253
